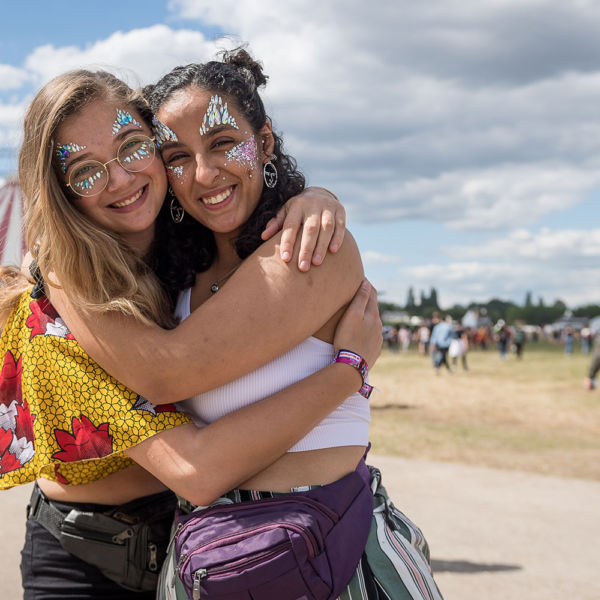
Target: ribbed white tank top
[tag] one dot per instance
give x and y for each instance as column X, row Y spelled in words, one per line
column 347, row 425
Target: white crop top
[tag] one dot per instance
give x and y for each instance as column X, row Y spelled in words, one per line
column 347, row 425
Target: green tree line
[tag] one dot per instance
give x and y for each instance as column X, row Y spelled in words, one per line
column 530, row 312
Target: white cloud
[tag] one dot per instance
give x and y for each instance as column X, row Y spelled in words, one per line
column 146, row 53
column 463, row 282
column 568, row 247
column 371, row 258
column 12, row 78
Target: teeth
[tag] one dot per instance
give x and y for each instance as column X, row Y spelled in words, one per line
column 129, row 200
column 218, row 198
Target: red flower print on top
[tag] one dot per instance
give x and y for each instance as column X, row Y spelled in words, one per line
column 10, row 380
column 86, row 441
column 16, row 422
column 60, row 477
column 8, row 461
column 44, row 320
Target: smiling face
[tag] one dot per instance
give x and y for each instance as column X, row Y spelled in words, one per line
column 130, row 202
column 214, row 164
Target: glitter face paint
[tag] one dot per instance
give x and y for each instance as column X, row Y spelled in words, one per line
column 175, row 174
column 63, row 151
column 244, row 153
column 216, row 114
column 162, row 133
column 123, row 118
column 90, row 182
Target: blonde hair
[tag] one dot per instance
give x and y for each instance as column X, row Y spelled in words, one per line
column 96, row 268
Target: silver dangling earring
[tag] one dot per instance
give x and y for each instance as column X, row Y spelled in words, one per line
column 177, row 212
column 270, row 173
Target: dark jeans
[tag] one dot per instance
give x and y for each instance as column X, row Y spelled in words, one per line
column 441, row 358
column 50, row 573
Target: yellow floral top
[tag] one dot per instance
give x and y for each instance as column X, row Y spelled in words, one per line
column 62, row 417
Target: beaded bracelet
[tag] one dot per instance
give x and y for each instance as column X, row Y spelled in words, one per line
column 360, row 364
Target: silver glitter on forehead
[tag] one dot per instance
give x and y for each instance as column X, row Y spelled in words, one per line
column 162, row 133
column 63, row 151
column 123, row 118
column 245, row 152
column 216, row 114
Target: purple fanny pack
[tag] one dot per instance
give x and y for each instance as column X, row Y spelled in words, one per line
column 297, row 546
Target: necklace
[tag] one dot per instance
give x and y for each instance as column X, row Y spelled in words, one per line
column 214, row 288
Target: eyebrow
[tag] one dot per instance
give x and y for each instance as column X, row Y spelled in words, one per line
column 117, row 138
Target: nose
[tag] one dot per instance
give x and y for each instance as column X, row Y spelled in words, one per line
column 207, row 169
column 117, row 176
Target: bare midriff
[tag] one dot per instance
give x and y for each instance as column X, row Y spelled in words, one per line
column 117, row 488
column 314, row 467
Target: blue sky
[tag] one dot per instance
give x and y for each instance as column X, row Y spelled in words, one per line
column 463, row 137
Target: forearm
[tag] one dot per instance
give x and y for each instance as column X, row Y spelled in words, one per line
column 231, row 334
column 201, row 464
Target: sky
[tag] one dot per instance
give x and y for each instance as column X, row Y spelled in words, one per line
column 463, row 137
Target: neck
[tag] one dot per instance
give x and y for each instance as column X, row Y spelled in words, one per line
column 140, row 241
column 226, row 256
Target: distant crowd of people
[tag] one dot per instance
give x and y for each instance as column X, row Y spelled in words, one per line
column 445, row 339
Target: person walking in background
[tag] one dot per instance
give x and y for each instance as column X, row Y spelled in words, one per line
column 519, row 341
column 459, row 347
column 502, row 338
column 441, row 336
column 423, row 337
column 586, row 340
column 590, row 380
column 393, row 340
column 404, row 336
column 569, row 341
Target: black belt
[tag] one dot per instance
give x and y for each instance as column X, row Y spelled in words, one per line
column 44, row 512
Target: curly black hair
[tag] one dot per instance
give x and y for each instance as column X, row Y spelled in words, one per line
column 188, row 247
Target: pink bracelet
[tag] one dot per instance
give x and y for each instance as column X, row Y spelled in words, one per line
column 360, row 364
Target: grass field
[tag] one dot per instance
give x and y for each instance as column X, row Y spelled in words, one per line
column 531, row 415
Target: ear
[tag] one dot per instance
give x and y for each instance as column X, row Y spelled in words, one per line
column 266, row 141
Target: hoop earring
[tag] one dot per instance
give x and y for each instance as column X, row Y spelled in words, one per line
column 270, row 174
column 177, row 212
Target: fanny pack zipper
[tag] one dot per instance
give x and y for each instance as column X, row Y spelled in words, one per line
column 202, row 573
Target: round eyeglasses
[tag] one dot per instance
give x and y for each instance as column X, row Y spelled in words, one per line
column 90, row 177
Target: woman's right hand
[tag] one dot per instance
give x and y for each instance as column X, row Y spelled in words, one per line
column 360, row 329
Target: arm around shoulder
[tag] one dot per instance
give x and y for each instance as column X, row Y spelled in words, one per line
column 267, row 306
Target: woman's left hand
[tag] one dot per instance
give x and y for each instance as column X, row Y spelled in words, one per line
column 322, row 219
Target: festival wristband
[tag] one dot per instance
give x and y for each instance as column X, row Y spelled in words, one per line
column 360, row 364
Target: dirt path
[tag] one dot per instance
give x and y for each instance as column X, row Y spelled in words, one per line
column 495, row 535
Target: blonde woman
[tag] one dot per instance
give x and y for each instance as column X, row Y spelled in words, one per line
column 67, row 423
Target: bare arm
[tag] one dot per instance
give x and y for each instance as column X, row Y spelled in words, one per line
column 201, row 464
column 266, row 308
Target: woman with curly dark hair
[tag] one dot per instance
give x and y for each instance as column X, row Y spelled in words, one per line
column 228, row 175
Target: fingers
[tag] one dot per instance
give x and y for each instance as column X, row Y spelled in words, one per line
column 339, row 228
column 273, row 225
column 361, row 298
column 311, row 232
column 289, row 230
column 324, row 237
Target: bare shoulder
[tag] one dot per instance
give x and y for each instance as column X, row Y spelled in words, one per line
column 339, row 274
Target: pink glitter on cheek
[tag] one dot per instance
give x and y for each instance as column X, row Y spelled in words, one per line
column 244, row 153
column 176, row 174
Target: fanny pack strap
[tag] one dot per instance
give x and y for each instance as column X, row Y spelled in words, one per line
column 47, row 515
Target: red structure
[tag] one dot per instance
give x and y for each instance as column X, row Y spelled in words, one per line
column 12, row 242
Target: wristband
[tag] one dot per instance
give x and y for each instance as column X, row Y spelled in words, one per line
column 360, row 364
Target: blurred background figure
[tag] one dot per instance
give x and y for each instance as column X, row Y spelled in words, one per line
column 439, row 342
column 404, row 336
column 423, row 335
column 569, row 340
column 393, row 339
column 590, row 380
column 586, row 339
column 519, row 342
column 503, row 337
column 459, row 347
